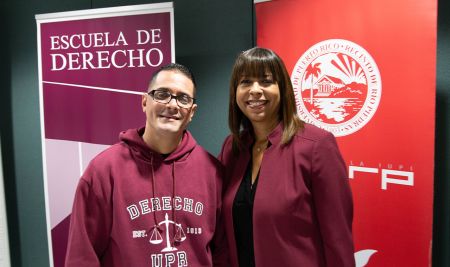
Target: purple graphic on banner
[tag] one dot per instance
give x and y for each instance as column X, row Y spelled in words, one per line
column 60, row 236
column 89, row 115
column 115, row 52
column 63, row 174
column 94, row 67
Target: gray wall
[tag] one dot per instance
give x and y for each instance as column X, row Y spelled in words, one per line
column 208, row 36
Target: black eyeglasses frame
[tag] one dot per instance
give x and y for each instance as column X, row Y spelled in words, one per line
column 152, row 92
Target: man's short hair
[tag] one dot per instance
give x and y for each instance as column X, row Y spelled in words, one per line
column 173, row 67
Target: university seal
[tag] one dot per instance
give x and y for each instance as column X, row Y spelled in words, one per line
column 337, row 86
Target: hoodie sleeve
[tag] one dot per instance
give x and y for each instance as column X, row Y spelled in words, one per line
column 333, row 202
column 219, row 244
column 90, row 227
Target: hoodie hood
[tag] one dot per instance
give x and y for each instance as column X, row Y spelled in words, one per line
column 133, row 138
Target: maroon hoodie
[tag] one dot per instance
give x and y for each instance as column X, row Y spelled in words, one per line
column 129, row 211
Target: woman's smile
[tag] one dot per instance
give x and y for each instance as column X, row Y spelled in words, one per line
column 256, row 103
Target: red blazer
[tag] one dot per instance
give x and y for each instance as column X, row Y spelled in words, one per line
column 303, row 209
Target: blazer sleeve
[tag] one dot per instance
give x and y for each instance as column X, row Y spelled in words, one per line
column 90, row 227
column 221, row 156
column 333, row 202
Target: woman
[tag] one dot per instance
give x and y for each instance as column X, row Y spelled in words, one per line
column 288, row 200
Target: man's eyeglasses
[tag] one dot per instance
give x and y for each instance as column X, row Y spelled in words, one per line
column 163, row 97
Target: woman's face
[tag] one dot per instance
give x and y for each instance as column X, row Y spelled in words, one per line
column 259, row 99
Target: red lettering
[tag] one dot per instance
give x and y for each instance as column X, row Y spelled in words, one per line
column 373, row 79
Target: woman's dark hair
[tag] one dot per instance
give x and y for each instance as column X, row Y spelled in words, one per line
column 255, row 63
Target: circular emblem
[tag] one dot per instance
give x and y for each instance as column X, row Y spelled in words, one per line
column 337, row 86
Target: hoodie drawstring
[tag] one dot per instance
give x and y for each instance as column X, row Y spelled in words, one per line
column 157, row 226
column 176, row 237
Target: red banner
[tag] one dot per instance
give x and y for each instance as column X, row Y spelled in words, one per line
column 365, row 71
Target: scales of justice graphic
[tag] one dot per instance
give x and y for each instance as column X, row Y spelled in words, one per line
column 156, row 237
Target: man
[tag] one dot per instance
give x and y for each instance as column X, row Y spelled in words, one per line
column 154, row 199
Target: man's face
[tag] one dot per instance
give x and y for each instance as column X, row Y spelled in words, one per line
column 168, row 118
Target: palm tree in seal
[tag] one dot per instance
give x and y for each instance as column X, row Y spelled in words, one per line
column 313, row 71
